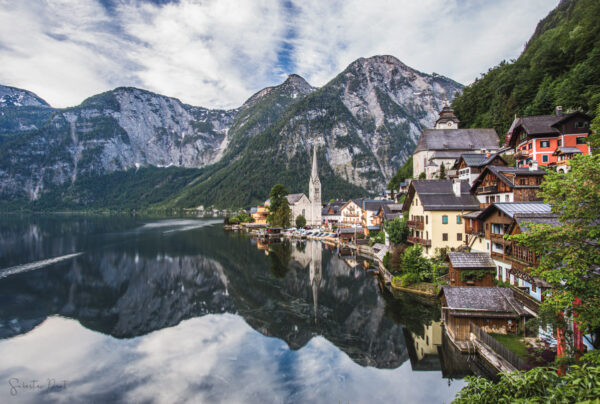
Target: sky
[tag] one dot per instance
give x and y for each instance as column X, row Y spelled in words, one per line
column 217, row 53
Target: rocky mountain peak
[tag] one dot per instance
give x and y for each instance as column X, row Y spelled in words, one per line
column 16, row 97
column 298, row 82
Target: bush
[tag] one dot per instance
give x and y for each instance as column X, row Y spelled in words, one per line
column 386, row 260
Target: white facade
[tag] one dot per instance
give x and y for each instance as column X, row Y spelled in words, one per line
column 351, row 215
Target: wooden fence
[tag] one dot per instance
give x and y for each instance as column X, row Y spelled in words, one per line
column 500, row 349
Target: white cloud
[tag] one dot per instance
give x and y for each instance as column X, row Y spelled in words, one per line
column 216, row 53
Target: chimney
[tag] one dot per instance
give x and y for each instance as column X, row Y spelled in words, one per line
column 558, row 110
column 456, row 187
column 533, row 166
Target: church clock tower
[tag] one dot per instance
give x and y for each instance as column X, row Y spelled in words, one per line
column 314, row 193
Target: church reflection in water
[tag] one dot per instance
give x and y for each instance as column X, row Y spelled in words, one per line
column 131, row 281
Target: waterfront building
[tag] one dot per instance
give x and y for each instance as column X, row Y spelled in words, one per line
column 536, row 138
column 435, row 210
column 493, row 309
column 485, row 232
column 351, row 213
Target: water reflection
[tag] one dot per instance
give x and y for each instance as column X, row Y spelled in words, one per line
column 137, row 278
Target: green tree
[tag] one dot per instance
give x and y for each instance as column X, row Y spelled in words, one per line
column 569, row 254
column 423, row 176
column 442, row 172
column 405, row 172
column 279, row 208
column 397, row 230
column 415, row 263
column 300, row 221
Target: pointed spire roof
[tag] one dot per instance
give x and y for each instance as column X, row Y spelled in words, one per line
column 314, row 173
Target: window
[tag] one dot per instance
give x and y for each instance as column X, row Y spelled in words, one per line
column 533, row 288
column 506, row 198
column 580, row 140
column 497, row 228
column 522, row 181
column 444, row 236
column 487, row 226
column 487, row 246
column 545, row 158
column 530, row 145
column 426, row 219
column 458, row 236
column 444, row 219
column 458, row 221
column 559, row 142
column 545, row 143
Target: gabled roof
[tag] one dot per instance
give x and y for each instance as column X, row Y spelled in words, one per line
column 484, row 300
column 510, row 209
column 472, row 260
column 478, row 159
column 374, row 205
column 390, row 210
column 522, row 219
column 499, row 171
column 542, row 124
column 439, row 195
column 457, row 139
column 293, row 198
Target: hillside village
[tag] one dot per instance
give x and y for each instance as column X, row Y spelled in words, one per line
column 467, row 193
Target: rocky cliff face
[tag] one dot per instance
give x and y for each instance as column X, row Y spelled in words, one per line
column 121, row 129
column 365, row 121
column 15, row 97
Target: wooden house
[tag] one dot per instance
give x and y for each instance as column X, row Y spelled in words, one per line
column 492, row 309
column 387, row 211
column 497, row 221
column 536, row 138
column 564, row 155
column 470, row 165
column 507, row 184
column 471, row 269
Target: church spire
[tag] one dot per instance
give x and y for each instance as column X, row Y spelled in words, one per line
column 314, row 174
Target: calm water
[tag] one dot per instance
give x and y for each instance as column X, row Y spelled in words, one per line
column 180, row 311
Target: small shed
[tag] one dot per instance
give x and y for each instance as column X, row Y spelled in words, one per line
column 471, row 269
column 347, row 234
column 492, row 309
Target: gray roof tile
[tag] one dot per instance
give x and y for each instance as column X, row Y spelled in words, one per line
column 490, row 299
column 471, row 260
column 457, row 139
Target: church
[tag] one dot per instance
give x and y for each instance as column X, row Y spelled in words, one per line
column 309, row 207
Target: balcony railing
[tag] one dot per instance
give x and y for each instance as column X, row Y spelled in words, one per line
column 474, row 231
column 522, row 154
column 418, row 240
column 415, row 224
column 491, row 189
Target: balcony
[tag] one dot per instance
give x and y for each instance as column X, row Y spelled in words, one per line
column 415, row 224
column 522, row 154
column 474, row 231
column 499, row 238
column 491, row 189
column 418, row 240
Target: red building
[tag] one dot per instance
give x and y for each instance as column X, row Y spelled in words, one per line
column 538, row 137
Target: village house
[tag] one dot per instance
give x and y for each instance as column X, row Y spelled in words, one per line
column 369, row 214
column 471, row 269
column 485, row 232
column 536, row 138
column 330, row 215
column 493, row 309
column 259, row 214
column 435, row 210
column 470, row 165
column 351, row 213
column 445, row 143
column 386, row 212
column 507, row 184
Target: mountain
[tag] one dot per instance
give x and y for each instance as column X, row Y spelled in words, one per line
column 559, row 66
column 365, row 123
column 118, row 130
column 21, row 110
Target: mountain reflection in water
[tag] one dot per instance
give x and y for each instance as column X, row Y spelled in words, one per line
column 137, row 278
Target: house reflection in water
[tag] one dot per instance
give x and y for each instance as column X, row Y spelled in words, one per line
column 423, row 350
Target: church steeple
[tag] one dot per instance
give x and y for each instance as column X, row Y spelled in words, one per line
column 314, row 193
column 314, row 173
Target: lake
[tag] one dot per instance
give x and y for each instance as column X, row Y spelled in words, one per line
column 123, row 309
